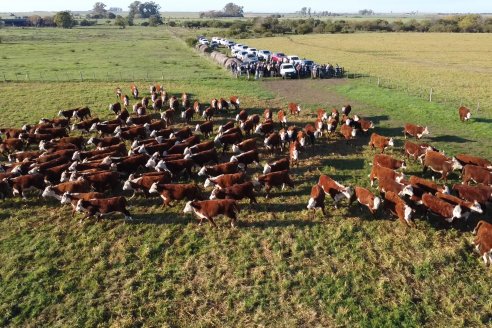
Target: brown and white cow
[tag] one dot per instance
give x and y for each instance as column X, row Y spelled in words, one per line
column 103, row 206
column 246, row 158
column 368, row 199
column 242, row 116
column 294, row 108
column 264, row 128
column 168, row 116
column 280, row 165
column 465, row 205
column 275, row 179
column 139, row 120
column 387, row 184
column 388, row 161
column 346, row 110
column 82, row 113
column 480, row 193
column 417, row 151
column 465, row 159
column 347, row 132
column 176, row 167
column 378, row 141
column 398, row 207
column 225, row 180
column 234, row 101
column 476, row 174
column 176, row 191
column 442, row 208
column 223, row 168
column 483, row 240
column 236, row 191
column 227, row 139
column 11, row 145
column 378, row 171
column 438, row 162
column 73, row 198
column 464, row 113
column 204, row 157
column 413, row 130
column 294, row 149
column 26, row 182
column 247, row 126
column 206, row 145
column 222, row 104
column 115, row 107
column 335, row 189
column 317, row 199
column 145, row 182
column 282, row 118
column 205, row 128
column 209, row 209
column 245, row 145
column 267, row 114
column 362, row 124
column 79, row 185
column 103, row 181
column 272, row 142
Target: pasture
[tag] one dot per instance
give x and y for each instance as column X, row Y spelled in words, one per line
column 281, row 266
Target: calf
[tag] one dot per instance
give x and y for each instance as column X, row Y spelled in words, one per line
column 398, row 207
column 280, row 165
column 223, row 168
column 234, row 102
column 103, row 206
column 79, row 185
column 294, row 109
column 275, row 179
column 145, row 182
column 464, row 113
column 483, row 240
column 476, row 174
column 465, row 205
column 246, row 158
column 347, row 132
column 442, row 208
column 225, row 180
column 209, row 209
column 474, row 160
column 334, row 189
column 427, row 186
column 388, row 162
column 244, row 146
column 175, row 191
column 381, row 142
column 237, row 192
column 413, row 130
column 387, row 184
column 205, row 128
column 367, row 198
column 26, row 182
column 437, row 162
column 417, row 151
column 82, row 113
column 381, row 171
column 317, row 199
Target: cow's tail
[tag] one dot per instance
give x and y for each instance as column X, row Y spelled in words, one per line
column 235, row 208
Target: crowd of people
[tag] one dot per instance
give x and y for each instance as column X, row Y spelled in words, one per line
column 270, row 68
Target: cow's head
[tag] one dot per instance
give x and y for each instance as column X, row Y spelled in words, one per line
column 76, row 156
column 142, row 150
column 48, row 192
column 188, row 207
column 235, row 149
column 353, row 133
column 356, row 118
column 154, row 188
column 403, row 165
column 258, row 128
column 81, row 205
column 151, row 163
column 400, row 177
column 456, row 164
column 476, row 207
column 425, row 131
column 267, row 169
column 445, row 190
column 213, row 194
column 60, row 113
column 348, row 192
column 153, row 134
column 376, row 203
column 407, row 190
column 34, row 170
column 66, row 198
column 129, row 121
column 117, row 130
column 407, row 213
column 127, row 185
column 348, row 121
column 217, row 141
column 161, row 166
column 233, row 159
column 208, row 183
column 457, row 212
column 298, row 108
column 295, row 154
column 391, row 143
column 311, row 203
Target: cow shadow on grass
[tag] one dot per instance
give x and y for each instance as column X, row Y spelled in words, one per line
column 389, row 131
column 482, row 120
column 161, row 218
column 278, row 223
column 450, row 138
column 377, row 118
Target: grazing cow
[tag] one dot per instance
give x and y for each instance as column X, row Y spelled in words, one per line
column 465, row 205
column 275, row 179
column 134, row 89
column 145, row 182
column 237, row 192
column 346, row 110
column 294, row 148
column 68, row 114
column 234, row 100
column 223, row 168
column 168, row 116
column 115, row 107
column 246, row 158
column 388, row 161
column 347, row 132
column 387, row 184
column 205, row 128
column 84, row 126
column 483, row 240
column 272, row 142
column 176, row 167
column 206, row 145
column 367, row 198
column 378, row 171
column 464, row 113
column 225, row 180
column 280, row 165
column 242, row 116
column 294, row 109
column 79, row 185
column 282, row 118
column 378, row 141
column 82, row 113
column 247, row 126
column 399, row 208
column 214, row 103
column 10, row 145
column 227, row 139
column 267, row 114
column 417, row 151
column 208, row 113
column 209, row 209
column 476, row 174
column 244, row 146
column 204, row 157
column 465, row 159
column 438, row 162
column 413, row 130
column 103, row 206
column 157, row 104
column 427, row 185
column 264, row 128
column 317, row 199
column 481, row 194
column 223, row 104
column 26, row 182
column 176, row 191
column 331, row 126
column 335, row 189
column 442, row 208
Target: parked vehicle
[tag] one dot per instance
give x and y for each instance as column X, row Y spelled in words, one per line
column 250, row 58
column 253, row 51
column 278, row 57
column 264, row 54
column 294, row 60
column 203, row 41
column 287, row 70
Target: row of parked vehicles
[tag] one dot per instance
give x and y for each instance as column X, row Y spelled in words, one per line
column 250, row 55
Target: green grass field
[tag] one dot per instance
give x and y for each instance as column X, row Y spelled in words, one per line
column 280, row 267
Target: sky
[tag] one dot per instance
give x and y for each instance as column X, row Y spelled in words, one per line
column 282, row 6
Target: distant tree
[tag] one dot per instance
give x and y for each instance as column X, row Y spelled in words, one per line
column 64, row 19
column 303, row 11
column 35, row 20
column 148, row 9
column 233, row 10
column 99, row 9
column 309, row 11
column 134, row 11
column 155, row 20
column 111, row 15
column 48, row 21
column 470, row 23
column 366, row 12
column 120, row 21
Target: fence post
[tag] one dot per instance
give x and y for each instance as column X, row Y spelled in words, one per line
column 27, row 77
column 4, row 78
column 120, row 76
column 41, row 77
column 162, row 76
column 478, row 106
column 430, row 95
column 81, row 77
column 379, row 81
column 94, row 75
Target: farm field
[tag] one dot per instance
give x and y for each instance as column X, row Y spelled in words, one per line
column 457, row 66
column 281, row 266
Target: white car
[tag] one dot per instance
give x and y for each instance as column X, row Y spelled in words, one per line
column 238, row 46
column 253, row 51
column 203, row 41
column 294, row 60
column 241, row 55
column 250, row 58
column 287, row 70
column 264, row 54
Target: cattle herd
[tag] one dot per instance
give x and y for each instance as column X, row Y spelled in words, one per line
column 81, row 160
